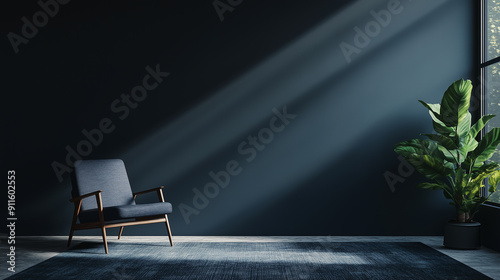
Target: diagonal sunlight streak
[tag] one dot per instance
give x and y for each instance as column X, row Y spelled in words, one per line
column 314, row 142
column 302, row 77
column 275, row 82
column 289, row 257
column 257, row 256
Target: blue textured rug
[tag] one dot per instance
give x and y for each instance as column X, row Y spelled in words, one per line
column 257, row 260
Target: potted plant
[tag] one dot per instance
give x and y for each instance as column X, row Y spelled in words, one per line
column 455, row 162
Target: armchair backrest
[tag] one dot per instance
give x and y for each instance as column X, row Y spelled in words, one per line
column 108, row 175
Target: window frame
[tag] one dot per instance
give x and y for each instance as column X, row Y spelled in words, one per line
column 483, row 63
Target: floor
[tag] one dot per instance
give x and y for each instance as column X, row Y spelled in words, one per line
column 31, row 250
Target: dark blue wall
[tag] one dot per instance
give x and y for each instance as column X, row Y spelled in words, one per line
column 353, row 94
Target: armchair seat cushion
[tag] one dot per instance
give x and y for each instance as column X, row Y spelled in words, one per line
column 113, row 213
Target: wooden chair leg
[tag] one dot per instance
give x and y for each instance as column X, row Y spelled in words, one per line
column 73, row 222
column 168, row 230
column 101, row 219
column 104, row 239
column 120, row 233
column 70, row 235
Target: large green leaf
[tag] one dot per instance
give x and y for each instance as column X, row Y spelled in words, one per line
column 420, row 147
column 425, row 156
column 448, row 147
column 446, row 142
column 488, row 167
column 469, row 143
column 430, row 166
column 468, row 161
column 493, row 180
column 479, row 125
column 452, row 156
column 461, row 180
column 416, row 146
column 476, row 184
column 463, row 127
column 438, row 125
column 442, row 129
column 486, row 146
column 455, row 103
column 433, row 108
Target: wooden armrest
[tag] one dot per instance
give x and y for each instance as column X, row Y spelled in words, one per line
column 84, row 196
column 147, row 191
column 158, row 190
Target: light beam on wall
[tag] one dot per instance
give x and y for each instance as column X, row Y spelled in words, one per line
column 312, row 77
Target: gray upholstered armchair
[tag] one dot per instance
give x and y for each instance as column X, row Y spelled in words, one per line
column 103, row 199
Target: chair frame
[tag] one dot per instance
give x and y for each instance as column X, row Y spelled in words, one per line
column 77, row 201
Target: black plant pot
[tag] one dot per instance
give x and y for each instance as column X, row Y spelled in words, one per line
column 462, row 235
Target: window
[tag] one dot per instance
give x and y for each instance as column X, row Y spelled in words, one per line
column 490, row 68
